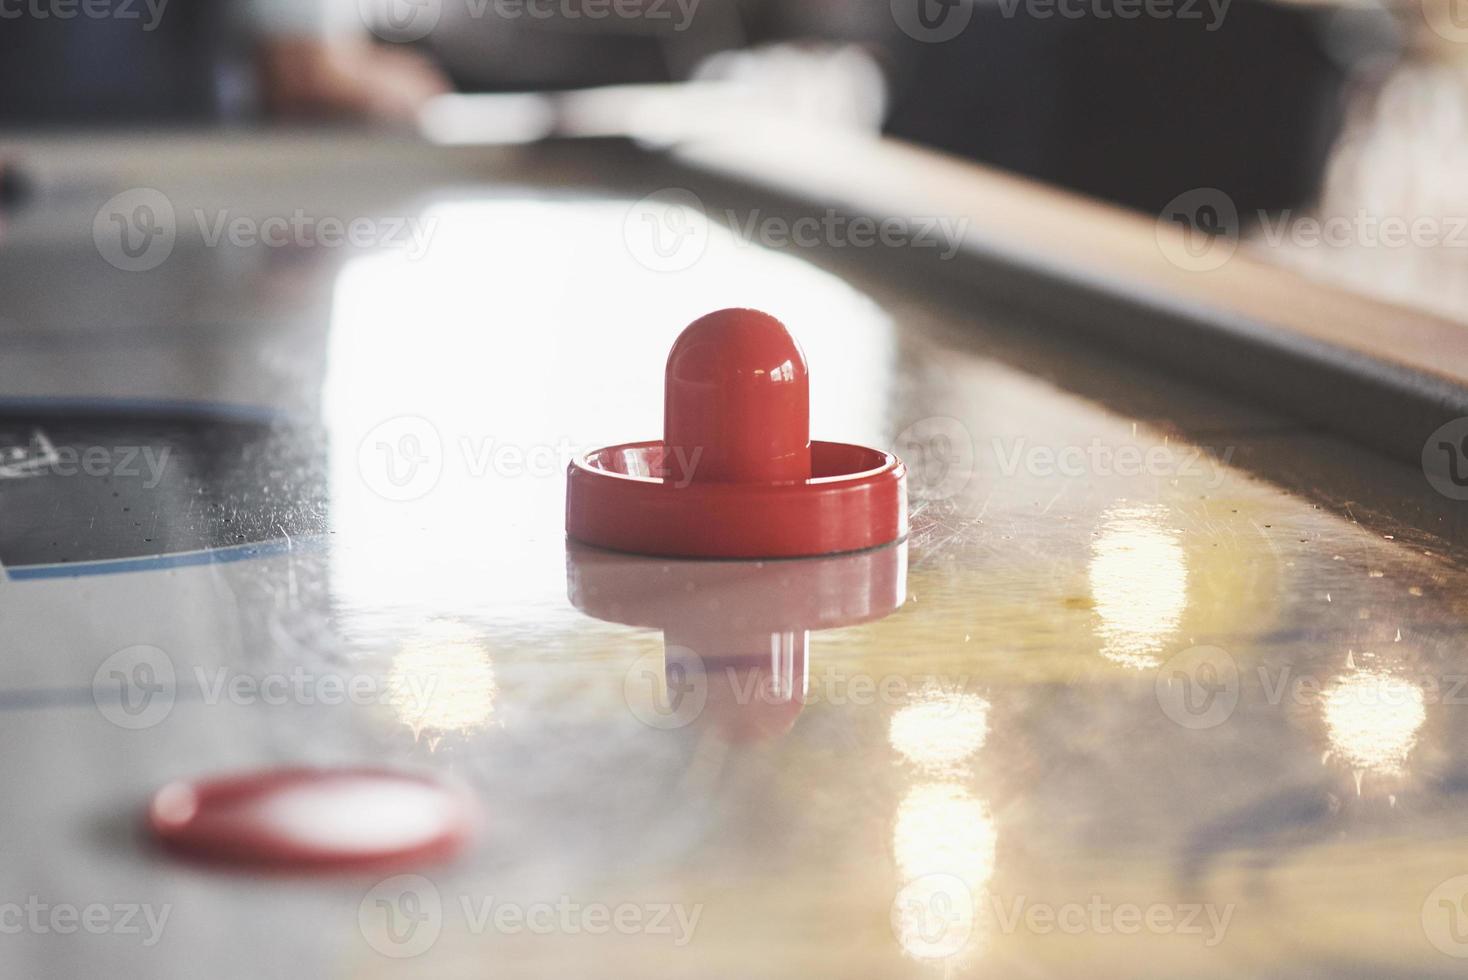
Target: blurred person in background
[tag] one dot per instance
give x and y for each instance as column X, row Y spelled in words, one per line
column 1247, row 96
column 129, row 62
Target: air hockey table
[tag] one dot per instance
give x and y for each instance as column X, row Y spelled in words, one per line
column 1167, row 679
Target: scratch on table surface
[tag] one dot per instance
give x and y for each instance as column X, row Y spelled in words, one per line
column 292, row 586
column 1060, row 493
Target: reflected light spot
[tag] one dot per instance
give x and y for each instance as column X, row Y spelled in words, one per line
column 443, row 682
column 1139, row 583
column 943, row 829
column 1372, row 720
column 940, row 731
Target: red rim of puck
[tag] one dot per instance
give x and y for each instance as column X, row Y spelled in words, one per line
column 313, row 820
column 619, row 498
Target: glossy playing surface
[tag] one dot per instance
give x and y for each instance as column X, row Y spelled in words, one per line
column 1138, row 710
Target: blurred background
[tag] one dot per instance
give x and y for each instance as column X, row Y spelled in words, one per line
column 1296, row 110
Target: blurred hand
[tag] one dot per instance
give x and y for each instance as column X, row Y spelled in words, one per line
column 345, row 77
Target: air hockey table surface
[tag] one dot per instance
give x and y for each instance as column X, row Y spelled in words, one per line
column 1148, row 690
